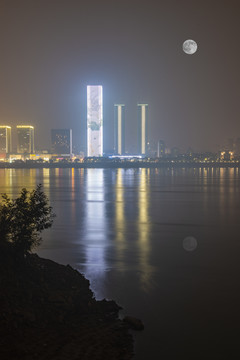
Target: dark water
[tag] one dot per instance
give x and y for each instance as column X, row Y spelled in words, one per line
column 125, row 230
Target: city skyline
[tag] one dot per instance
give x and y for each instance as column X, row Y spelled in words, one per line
column 62, row 138
column 50, row 54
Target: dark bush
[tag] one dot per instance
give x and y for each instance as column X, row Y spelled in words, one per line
column 24, row 218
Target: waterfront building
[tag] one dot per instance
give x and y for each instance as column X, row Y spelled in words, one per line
column 142, row 128
column 161, row 149
column 227, row 155
column 25, row 136
column 94, row 120
column 5, row 139
column 119, row 129
column 61, row 140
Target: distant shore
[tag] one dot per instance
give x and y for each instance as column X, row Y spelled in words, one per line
column 49, row 312
column 124, row 165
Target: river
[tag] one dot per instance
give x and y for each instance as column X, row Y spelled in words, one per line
column 163, row 243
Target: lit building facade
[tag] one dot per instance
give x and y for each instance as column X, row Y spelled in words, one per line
column 119, row 129
column 61, row 141
column 25, row 136
column 142, row 128
column 5, row 139
column 94, row 120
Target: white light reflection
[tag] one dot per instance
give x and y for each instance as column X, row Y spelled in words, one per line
column 95, row 240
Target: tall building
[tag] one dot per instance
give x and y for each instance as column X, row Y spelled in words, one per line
column 119, row 129
column 142, row 128
column 5, row 139
column 94, row 120
column 25, row 135
column 61, row 141
column 161, row 148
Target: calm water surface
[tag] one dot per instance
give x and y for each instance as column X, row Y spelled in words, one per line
column 125, row 228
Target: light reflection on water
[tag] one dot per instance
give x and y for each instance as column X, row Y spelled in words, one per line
column 94, row 225
column 144, row 227
column 124, row 229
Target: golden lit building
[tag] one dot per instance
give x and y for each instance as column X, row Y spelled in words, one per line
column 142, row 128
column 119, row 129
column 5, row 139
column 25, row 136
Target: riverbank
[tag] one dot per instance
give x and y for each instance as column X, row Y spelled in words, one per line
column 49, row 312
column 123, row 165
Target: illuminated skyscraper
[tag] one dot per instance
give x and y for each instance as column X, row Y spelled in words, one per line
column 94, row 120
column 25, row 134
column 5, row 139
column 142, row 128
column 119, row 129
column 61, row 141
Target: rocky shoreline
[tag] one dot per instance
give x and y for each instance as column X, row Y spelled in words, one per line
column 49, row 312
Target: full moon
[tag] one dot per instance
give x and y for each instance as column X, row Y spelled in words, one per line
column 189, row 47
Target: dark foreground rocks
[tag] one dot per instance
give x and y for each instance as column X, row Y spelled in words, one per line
column 49, row 312
column 134, row 323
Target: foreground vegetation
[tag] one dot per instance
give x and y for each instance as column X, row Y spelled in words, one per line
column 23, row 219
column 48, row 310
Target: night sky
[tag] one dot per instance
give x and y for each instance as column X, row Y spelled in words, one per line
column 50, row 51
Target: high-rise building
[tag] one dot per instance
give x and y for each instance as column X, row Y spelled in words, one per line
column 94, row 120
column 142, row 128
column 61, row 141
column 119, row 129
column 5, row 139
column 25, row 135
column 161, row 148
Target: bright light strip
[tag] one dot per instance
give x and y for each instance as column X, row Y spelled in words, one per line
column 143, row 127
column 143, row 124
column 120, row 129
column 125, row 156
column 25, row 127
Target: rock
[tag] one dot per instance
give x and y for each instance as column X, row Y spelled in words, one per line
column 47, row 303
column 56, row 298
column 134, row 323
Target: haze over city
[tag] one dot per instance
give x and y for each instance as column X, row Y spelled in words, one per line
column 51, row 50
